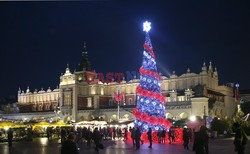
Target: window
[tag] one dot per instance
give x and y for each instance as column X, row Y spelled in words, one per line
column 67, row 99
column 188, row 97
column 40, row 108
column 130, row 101
column 110, row 102
column 89, row 101
column 34, row 108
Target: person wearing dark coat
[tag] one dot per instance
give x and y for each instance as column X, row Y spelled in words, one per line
column 125, row 134
column 195, row 139
column 10, row 137
column 97, row 139
column 119, row 132
column 133, row 135
column 202, row 141
column 240, row 139
column 149, row 133
column 169, row 135
column 185, row 138
column 88, row 137
column 163, row 136
column 173, row 135
column 69, row 146
column 159, row 136
column 63, row 135
column 137, row 138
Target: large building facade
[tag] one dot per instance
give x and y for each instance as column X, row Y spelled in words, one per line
column 189, row 94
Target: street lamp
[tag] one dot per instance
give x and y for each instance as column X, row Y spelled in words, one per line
column 118, row 98
column 192, row 118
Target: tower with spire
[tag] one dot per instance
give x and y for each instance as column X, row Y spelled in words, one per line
column 215, row 73
column 85, row 64
column 210, row 69
column 204, row 69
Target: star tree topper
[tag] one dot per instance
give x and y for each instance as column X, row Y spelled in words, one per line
column 146, row 26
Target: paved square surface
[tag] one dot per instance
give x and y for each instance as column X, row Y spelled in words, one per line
column 43, row 146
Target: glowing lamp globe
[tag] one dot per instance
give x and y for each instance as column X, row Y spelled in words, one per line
column 146, row 26
column 237, row 85
column 192, row 118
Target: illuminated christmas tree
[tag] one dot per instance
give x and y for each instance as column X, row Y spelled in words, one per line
column 150, row 109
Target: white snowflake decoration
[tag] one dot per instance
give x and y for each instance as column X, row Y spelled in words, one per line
column 146, row 26
column 154, row 103
column 141, row 99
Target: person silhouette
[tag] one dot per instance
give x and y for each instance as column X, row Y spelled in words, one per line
column 149, row 133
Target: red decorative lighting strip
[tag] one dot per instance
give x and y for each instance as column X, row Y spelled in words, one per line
column 150, row 73
column 149, row 49
column 151, row 119
column 150, row 94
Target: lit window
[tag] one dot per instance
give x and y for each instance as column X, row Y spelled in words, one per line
column 89, row 102
column 130, row 101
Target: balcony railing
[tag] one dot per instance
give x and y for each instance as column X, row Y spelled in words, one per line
column 185, row 103
column 85, row 108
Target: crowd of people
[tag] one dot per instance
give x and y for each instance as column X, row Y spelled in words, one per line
column 91, row 135
column 161, row 135
column 71, row 137
column 200, row 139
column 77, row 136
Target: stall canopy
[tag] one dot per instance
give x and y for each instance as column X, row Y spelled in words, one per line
column 9, row 124
column 60, row 124
column 127, row 123
column 95, row 122
column 42, row 124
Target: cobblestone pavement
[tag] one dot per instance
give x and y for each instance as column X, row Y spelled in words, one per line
column 43, row 146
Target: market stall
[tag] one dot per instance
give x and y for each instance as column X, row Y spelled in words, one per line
column 91, row 124
column 9, row 124
column 18, row 129
column 60, row 124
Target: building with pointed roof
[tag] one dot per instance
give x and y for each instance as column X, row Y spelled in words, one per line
column 188, row 94
column 85, row 64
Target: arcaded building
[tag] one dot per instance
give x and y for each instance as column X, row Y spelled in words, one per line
column 186, row 95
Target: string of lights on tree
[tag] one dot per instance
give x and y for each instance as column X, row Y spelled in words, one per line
column 150, row 109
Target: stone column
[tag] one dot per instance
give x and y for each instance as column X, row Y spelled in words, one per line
column 75, row 105
column 96, row 101
column 60, row 97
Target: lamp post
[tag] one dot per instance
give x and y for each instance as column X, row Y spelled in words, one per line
column 237, row 91
column 118, row 98
column 118, row 103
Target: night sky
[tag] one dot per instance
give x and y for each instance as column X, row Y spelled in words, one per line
column 38, row 39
